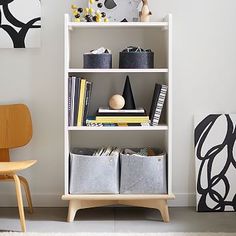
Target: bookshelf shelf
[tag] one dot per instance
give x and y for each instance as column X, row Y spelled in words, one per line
column 158, row 37
column 116, row 128
column 156, row 70
column 118, row 196
column 72, row 25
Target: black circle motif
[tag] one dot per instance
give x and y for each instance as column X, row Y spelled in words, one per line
column 207, row 190
column 17, row 36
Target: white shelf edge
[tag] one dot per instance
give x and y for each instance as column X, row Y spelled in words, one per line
column 119, row 128
column 117, row 196
column 156, row 70
column 116, row 24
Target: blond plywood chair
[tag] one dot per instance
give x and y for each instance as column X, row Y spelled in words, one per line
column 15, row 131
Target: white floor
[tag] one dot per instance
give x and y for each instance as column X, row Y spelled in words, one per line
column 119, row 220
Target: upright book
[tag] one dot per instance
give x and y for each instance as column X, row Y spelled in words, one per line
column 81, row 102
column 76, row 100
column 72, row 101
column 158, row 100
column 69, row 100
column 87, row 100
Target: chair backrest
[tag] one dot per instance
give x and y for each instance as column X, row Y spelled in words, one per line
column 15, row 126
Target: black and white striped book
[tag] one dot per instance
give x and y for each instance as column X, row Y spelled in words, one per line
column 158, row 100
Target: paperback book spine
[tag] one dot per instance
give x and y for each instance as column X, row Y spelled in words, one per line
column 122, row 119
column 72, row 101
column 159, row 106
column 120, row 114
column 69, row 100
column 76, row 100
column 81, row 102
column 133, row 111
column 87, row 101
column 156, row 94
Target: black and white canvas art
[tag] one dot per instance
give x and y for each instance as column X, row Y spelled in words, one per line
column 118, row 10
column 215, row 157
column 20, row 23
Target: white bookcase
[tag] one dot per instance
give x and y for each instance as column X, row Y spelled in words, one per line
column 82, row 37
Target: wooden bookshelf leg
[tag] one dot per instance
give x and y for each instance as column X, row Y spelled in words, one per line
column 159, row 204
column 75, row 205
column 163, row 208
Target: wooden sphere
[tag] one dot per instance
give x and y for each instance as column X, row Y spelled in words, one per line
column 116, row 102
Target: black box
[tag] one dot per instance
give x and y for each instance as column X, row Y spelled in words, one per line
column 103, row 60
column 136, row 60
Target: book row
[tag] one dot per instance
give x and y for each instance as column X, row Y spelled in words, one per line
column 79, row 99
column 79, row 95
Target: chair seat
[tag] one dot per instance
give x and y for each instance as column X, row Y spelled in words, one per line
column 12, row 167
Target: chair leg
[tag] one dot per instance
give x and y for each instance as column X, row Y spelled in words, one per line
column 26, row 188
column 20, row 202
column 27, row 192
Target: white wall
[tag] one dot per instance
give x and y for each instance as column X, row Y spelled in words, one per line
column 204, row 81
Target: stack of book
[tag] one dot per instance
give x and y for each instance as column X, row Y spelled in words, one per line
column 79, row 95
column 107, row 151
column 109, row 117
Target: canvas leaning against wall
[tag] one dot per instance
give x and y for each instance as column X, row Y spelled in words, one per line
column 20, row 23
column 215, row 158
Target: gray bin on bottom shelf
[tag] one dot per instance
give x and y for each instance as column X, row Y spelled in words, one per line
column 93, row 174
column 143, row 174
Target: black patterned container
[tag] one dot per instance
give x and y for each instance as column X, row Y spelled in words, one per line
column 137, row 60
column 98, row 61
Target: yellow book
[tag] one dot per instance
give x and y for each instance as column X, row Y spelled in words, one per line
column 122, row 119
column 81, row 102
column 122, row 124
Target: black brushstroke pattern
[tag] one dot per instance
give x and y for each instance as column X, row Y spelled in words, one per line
column 2, row 2
column 201, row 132
column 17, row 37
column 110, row 4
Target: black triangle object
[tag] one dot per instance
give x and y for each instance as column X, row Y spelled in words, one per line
column 128, row 96
column 124, row 20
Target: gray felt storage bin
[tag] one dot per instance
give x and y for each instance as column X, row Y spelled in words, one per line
column 142, row 60
column 103, row 61
column 143, row 174
column 93, row 174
